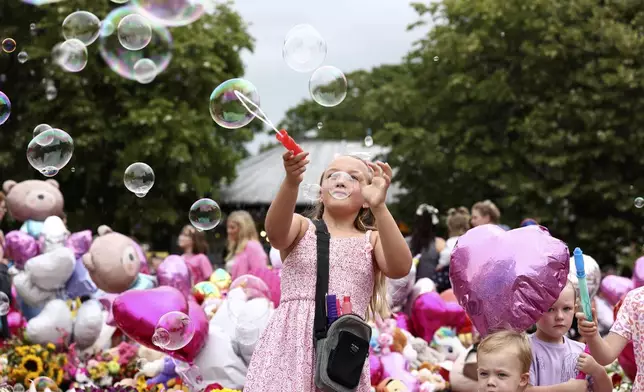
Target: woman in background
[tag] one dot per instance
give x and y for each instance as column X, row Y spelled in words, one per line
column 424, row 244
column 245, row 253
column 195, row 248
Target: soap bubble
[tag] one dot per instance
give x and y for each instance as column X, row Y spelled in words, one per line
column 368, row 141
column 50, row 151
column 134, row 32
column 4, row 304
column 139, row 178
column 5, row 108
column 40, row 129
column 120, row 1
column 227, row 109
column 173, row 331
column 320, row 125
column 83, row 26
column 304, row 48
column 50, row 92
column 639, row 202
column 340, row 185
column 121, row 60
column 41, row 2
column 311, row 192
column 145, row 71
column 205, row 214
column 171, row 12
column 8, row 45
column 71, row 55
column 328, row 86
column 23, row 57
column 43, row 384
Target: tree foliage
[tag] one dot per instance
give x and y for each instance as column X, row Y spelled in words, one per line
column 116, row 122
column 536, row 105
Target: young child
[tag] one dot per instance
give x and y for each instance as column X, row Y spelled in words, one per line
column 556, row 359
column 284, row 358
column 504, row 360
column 628, row 326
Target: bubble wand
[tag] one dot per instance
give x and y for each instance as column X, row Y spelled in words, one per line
column 281, row 135
column 583, row 294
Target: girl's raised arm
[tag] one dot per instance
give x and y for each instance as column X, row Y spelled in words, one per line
column 282, row 224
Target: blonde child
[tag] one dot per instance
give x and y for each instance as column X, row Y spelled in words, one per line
column 556, row 359
column 504, row 360
column 359, row 260
column 629, row 326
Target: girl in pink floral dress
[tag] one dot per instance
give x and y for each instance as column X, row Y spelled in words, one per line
column 629, row 326
column 359, row 259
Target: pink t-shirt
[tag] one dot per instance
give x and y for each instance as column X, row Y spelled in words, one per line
column 630, row 325
column 251, row 258
column 200, row 267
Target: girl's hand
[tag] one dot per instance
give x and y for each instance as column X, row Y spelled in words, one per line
column 295, row 167
column 588, row 365
column 376, row 192
column 587, row 329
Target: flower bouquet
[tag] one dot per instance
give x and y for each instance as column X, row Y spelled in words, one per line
column 621, row 383
column 22, row 363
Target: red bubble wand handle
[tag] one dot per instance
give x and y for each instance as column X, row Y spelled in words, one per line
column 281, row 135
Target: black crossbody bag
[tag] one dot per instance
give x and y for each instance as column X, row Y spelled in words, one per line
column 341, row 349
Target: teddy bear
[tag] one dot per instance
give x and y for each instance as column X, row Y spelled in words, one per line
column 32, row 201
column 113, row 263
column 425, row 354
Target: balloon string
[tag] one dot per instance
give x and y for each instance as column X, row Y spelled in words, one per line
column 260, row 115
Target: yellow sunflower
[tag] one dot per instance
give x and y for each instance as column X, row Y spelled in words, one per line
column 56, row 374
column 51, row 346
column 22, row 350
column 33, row 366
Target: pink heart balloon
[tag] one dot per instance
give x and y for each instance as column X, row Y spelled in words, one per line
column 638, row 272
column 430, row 312
column 508, row 279
column 136, row 312
column 613, row 288
column 200, row 321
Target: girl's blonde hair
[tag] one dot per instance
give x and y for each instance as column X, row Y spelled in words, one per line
column 458, row 221
column 247, row 232
column 364, row 221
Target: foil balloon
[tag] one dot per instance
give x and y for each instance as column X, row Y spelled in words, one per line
column 136, row 312
column 107, row 300
column 394, row 365
column 375, row 369
column 20, row 247
column 593, row 275
column 614, row 288
column 79, row 242
column 221, row 278
column 273, row 282
column 422, row 286
column 508, row 279
column 205, row 290
column 430, row 312
column 174, row 272
column 638, row 273
column 200, row 322
column 402, row 321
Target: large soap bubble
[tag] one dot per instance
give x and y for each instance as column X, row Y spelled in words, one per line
column 171, row 12
column 123, row 61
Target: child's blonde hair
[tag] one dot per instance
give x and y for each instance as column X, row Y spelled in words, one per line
column 505, row 339
column 247, row 232
column 364, row 221
column 458, row 221
column 489, row 209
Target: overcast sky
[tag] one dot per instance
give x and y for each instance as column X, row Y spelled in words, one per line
column 360, row 34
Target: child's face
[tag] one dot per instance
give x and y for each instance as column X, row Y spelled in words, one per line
column 346, row 189
column 500, row 371
column 556, row 322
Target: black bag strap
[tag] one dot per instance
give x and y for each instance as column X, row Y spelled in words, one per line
column 322, row 282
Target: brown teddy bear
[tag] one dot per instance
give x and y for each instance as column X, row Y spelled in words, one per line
column 113, row 263
column 32, row 202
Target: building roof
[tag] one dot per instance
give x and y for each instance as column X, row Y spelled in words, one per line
column 259, row 177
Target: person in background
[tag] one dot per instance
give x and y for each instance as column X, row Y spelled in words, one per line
column 458, row 222
column 424, row 244
column 194, row 246
column 245, row 253
column 485, row 212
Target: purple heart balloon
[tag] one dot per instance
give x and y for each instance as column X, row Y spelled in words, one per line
column 79, row 242
column 638, row 272
column 430, row 312
column 508, row 279
column 137, row 312
column 614, row 288
column 20, row 247
column 174, row 272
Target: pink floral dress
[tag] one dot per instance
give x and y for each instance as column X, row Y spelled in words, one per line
column 283, row 359
column 630, row 325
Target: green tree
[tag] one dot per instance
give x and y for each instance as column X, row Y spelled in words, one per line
column 116, row 122
column 537, row 105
